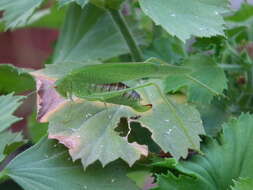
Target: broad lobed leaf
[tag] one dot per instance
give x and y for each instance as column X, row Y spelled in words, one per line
column 227, row 158
column 47, row 166
column 175, row 127
column 87, row 129
column 183, row 18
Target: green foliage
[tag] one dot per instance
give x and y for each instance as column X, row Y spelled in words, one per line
column 13, row 79
column 8, row 104
column 46, row 164
column 206, row 80
column 185, row 18
column 225, row 159
column 100, row 125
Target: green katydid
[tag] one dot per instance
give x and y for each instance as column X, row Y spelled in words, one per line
column 103, row 82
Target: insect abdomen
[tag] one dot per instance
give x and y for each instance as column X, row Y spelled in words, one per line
column 131, row 95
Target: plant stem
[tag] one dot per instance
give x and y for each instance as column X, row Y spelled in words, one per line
column 120, row 22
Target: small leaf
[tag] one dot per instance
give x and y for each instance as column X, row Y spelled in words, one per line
column 17, row 13
column 86, row 37
column 213, row 169
column 13, row 79
column 186, row 18
column 169, row 49
column 8, row 138
column 8, row 104
column 206, row 80
column 47, row 166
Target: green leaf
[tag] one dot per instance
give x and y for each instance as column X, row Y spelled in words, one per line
column 169, row 49
column 17, row 13
column 206, row 81
column 47, row 166
column 8, row 138
column 13, row 79
column 225, row 159
column 175, row 127
column 8, row 104
column 186, row 18
column 243, row 184
column 82, row 3
column 86, row 37
column 87, row 129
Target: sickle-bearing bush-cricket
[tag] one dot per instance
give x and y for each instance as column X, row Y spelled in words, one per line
column 104, row 82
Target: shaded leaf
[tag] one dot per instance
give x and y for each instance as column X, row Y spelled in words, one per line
column 47, row 166
column 243, row 184
column 175, row 127
column 17, row 13
column 169, row 49
column 86, row 37
column 186, row 18
column 8, row 104
column 8, row 138
column 206, row 80
column 225, row 159
column 13, row 79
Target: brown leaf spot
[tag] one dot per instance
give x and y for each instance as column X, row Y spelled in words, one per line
column 48, row 100
column 71, row 142
column 143, row 149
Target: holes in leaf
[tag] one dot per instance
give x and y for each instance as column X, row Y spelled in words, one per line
column 122, row 128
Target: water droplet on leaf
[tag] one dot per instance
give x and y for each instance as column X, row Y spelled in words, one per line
column 169, row 132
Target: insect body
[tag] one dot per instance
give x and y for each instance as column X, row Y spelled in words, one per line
column 103, row 82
